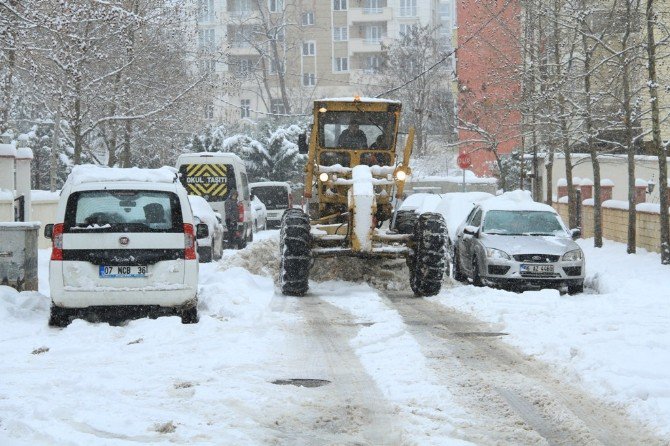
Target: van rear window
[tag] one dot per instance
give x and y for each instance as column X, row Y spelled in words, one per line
column 211, row 181
column 273, row 197
column 123, row 211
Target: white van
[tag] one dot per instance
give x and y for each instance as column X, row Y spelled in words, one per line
column 276, row 196
column 123, row 238
column 212, row 175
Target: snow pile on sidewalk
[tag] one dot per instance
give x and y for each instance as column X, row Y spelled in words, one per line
column 614, row 343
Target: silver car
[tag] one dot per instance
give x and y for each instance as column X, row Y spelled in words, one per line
column 521, row 246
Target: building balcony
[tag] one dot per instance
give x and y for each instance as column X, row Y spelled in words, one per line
column 357, row 15
column 237, row 49
column 358, row 45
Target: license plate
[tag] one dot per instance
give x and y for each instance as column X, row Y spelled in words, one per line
column 525, row 268
column 114, row 272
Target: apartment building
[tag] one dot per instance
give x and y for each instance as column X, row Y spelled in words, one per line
column 277, row 56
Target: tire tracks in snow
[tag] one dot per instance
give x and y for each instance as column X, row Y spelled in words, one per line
column 513, row 399
column 348, row 411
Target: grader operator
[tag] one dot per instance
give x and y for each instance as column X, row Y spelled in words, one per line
column 352, row 182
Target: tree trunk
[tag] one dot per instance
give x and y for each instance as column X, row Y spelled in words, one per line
column 628, row 116
column 53, row 162
column 7, row 87
column 656, row 133
column 588, row 122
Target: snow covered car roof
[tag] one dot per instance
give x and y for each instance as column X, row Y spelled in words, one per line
column 517, row 200
column 88, row 173
column 200, row 155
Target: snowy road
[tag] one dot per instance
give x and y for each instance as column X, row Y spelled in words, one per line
column 374, row 367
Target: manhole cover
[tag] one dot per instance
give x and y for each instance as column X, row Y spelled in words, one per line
column 482, row 334
column 301, row 382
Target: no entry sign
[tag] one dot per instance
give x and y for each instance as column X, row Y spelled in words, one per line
column 464, row 161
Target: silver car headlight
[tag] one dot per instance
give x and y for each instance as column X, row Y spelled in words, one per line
column 493, row 253
column 574, row 255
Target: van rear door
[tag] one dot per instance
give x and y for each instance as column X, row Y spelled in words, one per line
column 212, row 181
column 123, row 238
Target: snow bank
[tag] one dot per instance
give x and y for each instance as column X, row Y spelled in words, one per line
column 89, row 173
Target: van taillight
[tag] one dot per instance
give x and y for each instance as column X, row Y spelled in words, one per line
column 240, row 212
column 189, row 242
column 57, row 242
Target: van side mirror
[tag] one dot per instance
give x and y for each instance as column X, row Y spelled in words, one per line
column 575, row 233
column 49, row 230
column 201, row 230
column 252, row 196
column 303, row 148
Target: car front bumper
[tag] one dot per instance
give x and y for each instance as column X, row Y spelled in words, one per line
column 508, row 273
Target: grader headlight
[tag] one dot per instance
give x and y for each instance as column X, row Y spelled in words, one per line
column 401, row 173
column 323, row 177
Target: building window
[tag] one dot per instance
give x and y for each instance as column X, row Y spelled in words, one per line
column 372, row 6
column 273, row 67
column 206, row 40
column 373, row 34
column 245, row 108
column 209, row 111
column 408, row 8
column 339, row 5
column 277, row 107
column 341, row 64
column 308, row 48
column 406, row 29
column 205, row 10
column 340, row 34
column 276, row 5
column 209, row 66
column 372, row 63
column 245, row 66
column 308, row 79
column 308, row 18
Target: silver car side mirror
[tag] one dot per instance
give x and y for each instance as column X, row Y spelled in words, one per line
column 575, row 233
column 471, row 230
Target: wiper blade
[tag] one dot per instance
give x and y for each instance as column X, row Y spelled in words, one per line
column 538, row 233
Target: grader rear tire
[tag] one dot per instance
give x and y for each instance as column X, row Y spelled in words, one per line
column 427, row 264
column 295, row 249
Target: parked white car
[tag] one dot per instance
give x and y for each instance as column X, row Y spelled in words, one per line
column 123, row 238
column 277, row 197
column 259, row 214
column 210, row 247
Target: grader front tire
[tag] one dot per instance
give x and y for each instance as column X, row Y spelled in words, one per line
column 427, row 264
column 295, row 246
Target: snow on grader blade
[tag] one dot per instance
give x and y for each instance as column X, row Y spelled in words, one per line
column 352, row 181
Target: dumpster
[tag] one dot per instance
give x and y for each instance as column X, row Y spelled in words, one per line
column 18, row 255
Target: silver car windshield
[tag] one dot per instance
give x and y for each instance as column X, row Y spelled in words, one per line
column 522, row 223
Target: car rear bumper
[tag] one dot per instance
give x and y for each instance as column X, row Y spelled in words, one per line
column 90, row 293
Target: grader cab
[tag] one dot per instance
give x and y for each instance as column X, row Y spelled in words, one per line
column 353, row 180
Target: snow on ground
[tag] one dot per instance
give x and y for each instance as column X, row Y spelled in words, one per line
column 158, row 381
column 614, row 340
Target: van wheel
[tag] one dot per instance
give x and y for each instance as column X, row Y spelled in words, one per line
column 295, row 251
column 189, row 315
column 60, row 317
column 427, row 264
column 206, row 255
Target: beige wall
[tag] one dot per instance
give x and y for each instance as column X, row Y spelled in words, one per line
column 615, row 225
column 613, row 167
column 44, row 211
column 6, row 210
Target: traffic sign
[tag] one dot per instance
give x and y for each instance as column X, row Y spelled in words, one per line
column 464, row 161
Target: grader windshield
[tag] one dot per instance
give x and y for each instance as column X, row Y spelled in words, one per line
column 371, row 133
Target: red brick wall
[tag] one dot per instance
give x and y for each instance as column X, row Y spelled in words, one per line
column 489, row 86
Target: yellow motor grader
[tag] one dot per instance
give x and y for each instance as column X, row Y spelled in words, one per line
column 352, row 182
